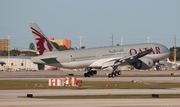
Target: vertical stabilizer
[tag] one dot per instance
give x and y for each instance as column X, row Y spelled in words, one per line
column 42, row 42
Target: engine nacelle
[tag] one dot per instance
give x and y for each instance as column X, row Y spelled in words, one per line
column 143, row 63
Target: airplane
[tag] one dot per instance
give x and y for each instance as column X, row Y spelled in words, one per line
column 141, row 56
column 174, row 63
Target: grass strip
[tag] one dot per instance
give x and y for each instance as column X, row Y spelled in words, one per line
column 109, row 96
column 43, row 84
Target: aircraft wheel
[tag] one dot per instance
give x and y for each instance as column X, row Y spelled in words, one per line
column 113, row 75
column 85, row 74
column 94, row 72
column 119, row 72
column 109, row 75
column 88, row 74
column 91, row 73
column 116, row 73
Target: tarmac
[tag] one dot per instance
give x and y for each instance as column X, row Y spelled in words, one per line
column 45, row 75
column 9, row 98
column 31, row 102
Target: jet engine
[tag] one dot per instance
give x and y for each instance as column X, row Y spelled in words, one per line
column 143, row 63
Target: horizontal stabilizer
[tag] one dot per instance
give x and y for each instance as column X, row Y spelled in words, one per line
column 50, row 60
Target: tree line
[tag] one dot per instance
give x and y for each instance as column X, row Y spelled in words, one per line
column 29, row 52
column 171, row 56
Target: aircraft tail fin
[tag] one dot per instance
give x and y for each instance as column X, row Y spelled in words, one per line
column 42, row 42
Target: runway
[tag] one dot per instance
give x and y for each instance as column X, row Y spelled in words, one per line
column 30, row 102
column 45, row 75
column 56, row 73
column 9, row 98
column 48, row 92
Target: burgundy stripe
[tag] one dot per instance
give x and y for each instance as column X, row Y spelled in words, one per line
column 37, row 32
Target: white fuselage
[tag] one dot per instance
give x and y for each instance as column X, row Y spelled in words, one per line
column 95, row 57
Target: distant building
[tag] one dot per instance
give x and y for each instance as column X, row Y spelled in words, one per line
column 64, row 42
column 17, row 62
column 21, row 63
column 4, row 44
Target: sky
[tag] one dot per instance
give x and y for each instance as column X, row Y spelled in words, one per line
column 94, row 20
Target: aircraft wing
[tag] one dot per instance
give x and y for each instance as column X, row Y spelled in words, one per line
column 125, row 59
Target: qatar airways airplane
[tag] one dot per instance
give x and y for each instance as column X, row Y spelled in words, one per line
column 141, row 56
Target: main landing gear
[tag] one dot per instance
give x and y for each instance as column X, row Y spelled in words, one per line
column 114, row 74
column 90, row 73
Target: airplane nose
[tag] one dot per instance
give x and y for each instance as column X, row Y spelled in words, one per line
column 166, row 50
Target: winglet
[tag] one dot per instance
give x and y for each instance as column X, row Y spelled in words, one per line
column 42, row 43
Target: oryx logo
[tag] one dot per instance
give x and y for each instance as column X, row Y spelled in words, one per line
column 41, row 42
